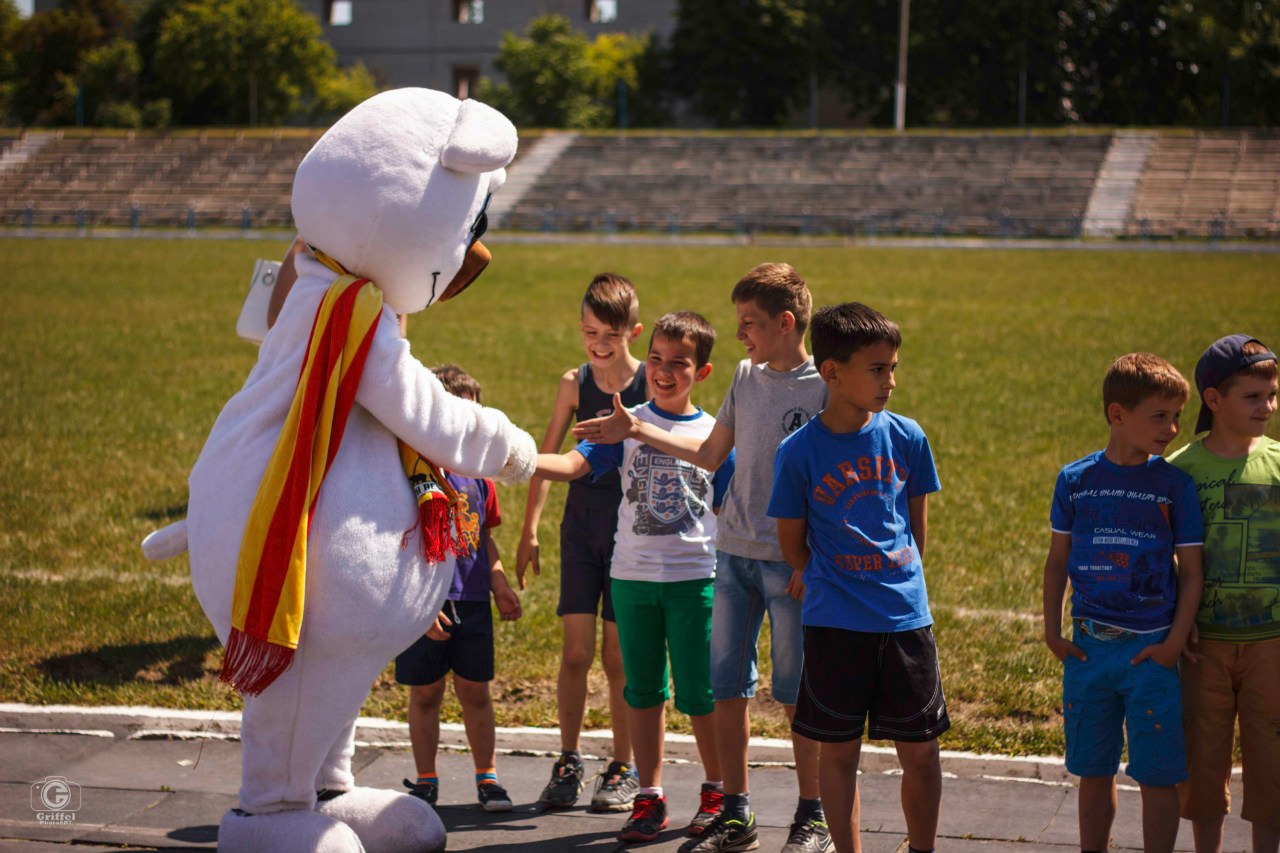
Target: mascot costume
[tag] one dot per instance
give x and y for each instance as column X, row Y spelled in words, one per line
column 320, row 533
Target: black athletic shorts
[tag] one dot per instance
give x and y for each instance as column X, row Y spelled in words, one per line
column 586, row 552
column 468, row 652
column 852, row 675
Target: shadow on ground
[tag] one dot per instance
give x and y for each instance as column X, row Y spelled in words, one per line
column 173, row 661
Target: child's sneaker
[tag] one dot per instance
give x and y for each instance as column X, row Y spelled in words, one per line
column 725, row 835
column 567, row 781
column 809, row 835
column 427, row 791
column 616, row 788
column 648, row 818
column 493, row 797
column 710, row 804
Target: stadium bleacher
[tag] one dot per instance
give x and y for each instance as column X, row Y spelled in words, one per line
column 1220, row 185
column 1227, row 183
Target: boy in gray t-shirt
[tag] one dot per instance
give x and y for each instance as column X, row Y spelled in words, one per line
column 775, row 391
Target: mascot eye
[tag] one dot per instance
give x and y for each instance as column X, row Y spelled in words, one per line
column 482, row 222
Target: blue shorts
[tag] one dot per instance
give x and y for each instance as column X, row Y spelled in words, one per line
column 745, row 590
column 586, row 553
column 468, row 652
column 1105, row 695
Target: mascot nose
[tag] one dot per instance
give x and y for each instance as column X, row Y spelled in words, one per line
column 473, row 264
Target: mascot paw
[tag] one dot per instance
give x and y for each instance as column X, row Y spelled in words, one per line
column 521, row 462
column 285, row 832
column 387, row 821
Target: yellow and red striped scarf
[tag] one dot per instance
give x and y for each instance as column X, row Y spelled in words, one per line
column 267, row 605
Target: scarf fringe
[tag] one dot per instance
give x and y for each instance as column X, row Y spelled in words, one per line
column 437, row 526
column 251, row 664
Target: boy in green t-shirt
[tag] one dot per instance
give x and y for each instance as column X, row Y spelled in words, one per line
column 1234, row 669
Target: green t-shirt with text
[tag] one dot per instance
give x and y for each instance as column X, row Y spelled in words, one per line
column 1240, row 500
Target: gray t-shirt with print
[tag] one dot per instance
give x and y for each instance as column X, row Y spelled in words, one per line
column 762, row 408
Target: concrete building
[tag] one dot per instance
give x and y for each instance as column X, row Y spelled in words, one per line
column 450, row 44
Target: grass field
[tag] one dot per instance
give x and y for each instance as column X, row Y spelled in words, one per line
column 117, row 356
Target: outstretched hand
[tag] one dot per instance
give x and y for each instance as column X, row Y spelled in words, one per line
column 608, row 430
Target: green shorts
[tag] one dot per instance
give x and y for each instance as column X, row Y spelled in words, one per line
column 657, row 620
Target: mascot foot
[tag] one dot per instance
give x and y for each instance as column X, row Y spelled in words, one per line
column 285, row 832
column 386, row 821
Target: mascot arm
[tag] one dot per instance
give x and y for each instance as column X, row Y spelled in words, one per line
column 457, row 434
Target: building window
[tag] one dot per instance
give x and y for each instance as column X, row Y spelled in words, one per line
column 468, row 11
column 602, row 11
column 465, row 80
column 340, row 12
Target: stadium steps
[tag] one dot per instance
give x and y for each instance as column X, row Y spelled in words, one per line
column 25, row 148
column 1111, row 202
column 545, row 151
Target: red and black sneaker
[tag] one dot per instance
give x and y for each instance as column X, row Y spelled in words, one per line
column 648, row 818
column 710, row 804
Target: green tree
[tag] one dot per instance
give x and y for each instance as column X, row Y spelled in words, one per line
column 1232, row 52
column 340, row 91
column 108, row 79
column 746, row 63
column 239, row 61
column 46, row 51
column 548, row 80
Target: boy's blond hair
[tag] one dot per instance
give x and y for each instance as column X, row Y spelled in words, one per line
column 612, row 298
column 776, row 288
column 1134, row 377
column 457, row 381
column 686, row 325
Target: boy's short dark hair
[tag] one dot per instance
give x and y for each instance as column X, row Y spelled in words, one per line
column 457, row 381
column 612, row 298
column 776, row 288
column 686, row 325
column 841, row 330
column 1265, row 369
column 1134, row 377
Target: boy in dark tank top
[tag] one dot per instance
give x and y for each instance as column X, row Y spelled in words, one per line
column 609, row 324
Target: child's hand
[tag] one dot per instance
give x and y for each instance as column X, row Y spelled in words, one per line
column 795, row 586
column 437, row 630
column 508, row 601
column 1061, row 647
column 526, row 554
column 1193, row 655
column 608, row 430
column 1166, row 654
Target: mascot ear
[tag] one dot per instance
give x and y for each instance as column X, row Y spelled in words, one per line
column 482, row 140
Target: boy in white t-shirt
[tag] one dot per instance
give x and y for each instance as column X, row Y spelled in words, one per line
column 663, row 567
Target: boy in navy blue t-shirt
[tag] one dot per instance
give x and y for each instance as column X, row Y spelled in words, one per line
column 1119, row 517
column 461, row 641
column 849, row 495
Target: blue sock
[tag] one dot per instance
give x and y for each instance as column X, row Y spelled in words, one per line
column 810, row 809
column 737, row 806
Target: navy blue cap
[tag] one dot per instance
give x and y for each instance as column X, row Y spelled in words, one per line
column 1223, row 357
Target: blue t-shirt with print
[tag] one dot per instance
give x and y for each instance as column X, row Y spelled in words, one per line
column 474, row 515
column 852, row 489
column 1124, row 522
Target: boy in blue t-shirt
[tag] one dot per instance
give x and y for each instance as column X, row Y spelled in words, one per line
column 1119, row 517
column 462, row 638
column 849, row 495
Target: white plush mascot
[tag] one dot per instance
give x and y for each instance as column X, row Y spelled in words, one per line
column 318, row 535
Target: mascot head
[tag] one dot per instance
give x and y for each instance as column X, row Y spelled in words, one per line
column 396, row 192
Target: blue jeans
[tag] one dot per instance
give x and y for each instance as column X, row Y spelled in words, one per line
column 745, row 590
column 1106, row 695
